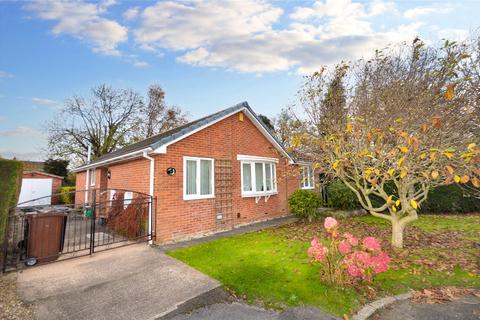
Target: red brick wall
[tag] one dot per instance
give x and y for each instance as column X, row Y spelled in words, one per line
column 226, row 139
column 79, row 185
column 178, row 218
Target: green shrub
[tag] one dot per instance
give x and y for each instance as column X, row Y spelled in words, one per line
column 304, row 203
column 10, row 183
column 67, row 195
column 341, row 197
column 451, row 198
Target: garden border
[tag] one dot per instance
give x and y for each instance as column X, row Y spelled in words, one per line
column 370, row 308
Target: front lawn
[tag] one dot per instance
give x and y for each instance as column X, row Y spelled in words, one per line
column 270, row 267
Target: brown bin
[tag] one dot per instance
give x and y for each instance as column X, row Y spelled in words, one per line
column 46, row 232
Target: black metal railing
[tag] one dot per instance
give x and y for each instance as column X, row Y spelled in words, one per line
column 75, row 224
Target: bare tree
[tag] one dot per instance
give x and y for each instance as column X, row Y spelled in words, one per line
column 156, row 117
column 287, row 125
column 323, row 99
column 106, row 121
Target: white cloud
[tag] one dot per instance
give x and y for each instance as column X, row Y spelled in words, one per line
column 52, row 104
column 131, row 14
column 190, row 25
column 83, row 21
column 5, row 74
column 415, row 13
column 21, row 131
column 243, row 35
column 140, row 64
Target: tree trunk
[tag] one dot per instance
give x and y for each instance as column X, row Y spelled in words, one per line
column 397, row 234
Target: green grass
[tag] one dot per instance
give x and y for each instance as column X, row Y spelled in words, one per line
column 469, row 226
column 266, row 268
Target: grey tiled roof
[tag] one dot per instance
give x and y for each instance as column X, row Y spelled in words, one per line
column 171, row 135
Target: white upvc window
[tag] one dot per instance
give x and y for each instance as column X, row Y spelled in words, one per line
column 198, row 178
column 92, row 177
column 307, row 177
column 258, row 176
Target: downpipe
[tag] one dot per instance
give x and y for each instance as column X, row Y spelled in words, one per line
column 150, row 211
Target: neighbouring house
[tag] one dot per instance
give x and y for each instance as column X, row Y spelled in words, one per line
column 39, row 185
column 218, row 172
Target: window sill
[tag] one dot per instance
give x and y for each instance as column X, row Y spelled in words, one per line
column 187, row 198
column 307, row 188
column 263, row 194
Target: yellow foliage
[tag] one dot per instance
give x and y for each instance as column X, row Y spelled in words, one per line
column 335, row 164
column 403, row 149
column 423, row 156
column 397, row 203
column 471, row 146
column 456, row 179
column 391, row 172
column 394, row 209
column 414, row 204
column 403, row 173
column 450, row 91
column 400, row 162
column 296, row 139
column 449, row 155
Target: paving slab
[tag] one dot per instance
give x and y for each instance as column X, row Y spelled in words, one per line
column 464, row 308
column 242, row 311
column 134, row 282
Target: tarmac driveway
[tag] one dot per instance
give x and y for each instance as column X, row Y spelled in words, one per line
column 134, row 282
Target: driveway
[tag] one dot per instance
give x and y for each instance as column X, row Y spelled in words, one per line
column 134, row 282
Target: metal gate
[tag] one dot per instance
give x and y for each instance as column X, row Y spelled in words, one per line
column 75, row 224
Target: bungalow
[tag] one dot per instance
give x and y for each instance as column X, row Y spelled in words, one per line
column 215, row 173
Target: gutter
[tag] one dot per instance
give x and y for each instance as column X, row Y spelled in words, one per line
column 114, row 159
column 151, row 185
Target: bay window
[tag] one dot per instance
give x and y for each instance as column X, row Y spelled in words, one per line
column 258, row 176
column 307, row 178
column 198, row 178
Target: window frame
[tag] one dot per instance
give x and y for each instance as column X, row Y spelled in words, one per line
column 273, row 177
column 198, row 196
column 310, row 178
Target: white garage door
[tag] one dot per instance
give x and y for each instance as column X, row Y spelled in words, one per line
column 34, row 189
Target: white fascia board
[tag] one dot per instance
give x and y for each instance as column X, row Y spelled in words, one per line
column 123, row 157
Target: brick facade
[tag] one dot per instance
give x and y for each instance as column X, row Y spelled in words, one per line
column 180, row 219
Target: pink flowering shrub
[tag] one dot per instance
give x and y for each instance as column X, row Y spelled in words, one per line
column 345, row 258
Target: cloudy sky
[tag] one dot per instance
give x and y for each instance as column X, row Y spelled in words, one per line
column 207, row 55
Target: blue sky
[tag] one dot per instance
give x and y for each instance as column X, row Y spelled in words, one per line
column 207, row 55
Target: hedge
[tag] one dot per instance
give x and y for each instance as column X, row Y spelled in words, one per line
column 67, row 195
column 450, row 199
column 341, row 197
column 304, row 203
column 443, row 199
column 10, row 182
